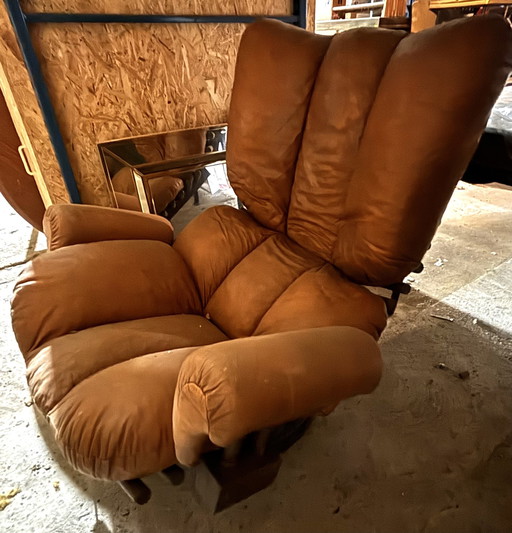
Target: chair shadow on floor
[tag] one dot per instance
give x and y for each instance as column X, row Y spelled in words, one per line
column 435, row 435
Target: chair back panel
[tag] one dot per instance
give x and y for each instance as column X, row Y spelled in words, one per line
column 429, row 113
column 352, row 145
column 344, row 93
column 276, row 68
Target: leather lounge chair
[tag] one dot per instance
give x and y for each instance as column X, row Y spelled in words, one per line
column 143, row 352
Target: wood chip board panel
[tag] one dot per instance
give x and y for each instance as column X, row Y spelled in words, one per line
column 119, row 80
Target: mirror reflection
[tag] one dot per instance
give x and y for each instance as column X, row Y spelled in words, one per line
column 160, row 173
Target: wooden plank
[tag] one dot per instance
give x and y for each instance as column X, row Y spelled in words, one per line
column 358, row 7
column 422, row 17
column 180, row 7
column 445, row 4
column 311, row 15
column 394, row 8
column 329, row 27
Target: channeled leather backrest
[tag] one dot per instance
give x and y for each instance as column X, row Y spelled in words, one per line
column 276, row 69
column 352, row 145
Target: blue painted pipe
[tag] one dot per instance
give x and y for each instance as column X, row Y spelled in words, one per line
column 113, row 18
column 34, row 69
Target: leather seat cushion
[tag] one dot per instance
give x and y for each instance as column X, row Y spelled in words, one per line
column 268, row 283
column 109, row 396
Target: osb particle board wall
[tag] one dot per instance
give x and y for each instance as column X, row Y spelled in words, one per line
column 111, row 81
column 20, row 98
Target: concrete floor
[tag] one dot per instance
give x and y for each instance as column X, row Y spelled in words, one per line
column 427, row 452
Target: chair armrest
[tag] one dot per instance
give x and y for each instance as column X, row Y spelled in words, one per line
column 86, row 285
column 67, row 224
column 127, row 201
column 230, row 389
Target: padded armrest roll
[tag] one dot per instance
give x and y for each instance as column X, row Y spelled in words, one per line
column 67, row 224
column 227, row 390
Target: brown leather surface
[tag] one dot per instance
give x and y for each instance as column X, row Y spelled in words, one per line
column 374, row 175
column 57, row 366
column 67, row 224
column 383, row 147
column 164, row 187
column 164, row 190
column 98, row 369
column 322, row 297
column 126, row 201
column 87, row 285
column 336, row 121
column 267, row 281
column 16, row 186
column 275, row 72
column 256, row 282
column 229, row 389
column 393, row 121
column 214, row 243
column 432, row 105
column 118, row 425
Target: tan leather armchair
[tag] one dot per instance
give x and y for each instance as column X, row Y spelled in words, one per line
column 143, row 353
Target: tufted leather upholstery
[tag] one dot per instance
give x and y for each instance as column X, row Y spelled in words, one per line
column 345, row 151
column 268, row 283
column 359, row 164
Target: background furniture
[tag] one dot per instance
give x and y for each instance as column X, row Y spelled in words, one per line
column 347, row 14
column 17, row 185
column 164, row 170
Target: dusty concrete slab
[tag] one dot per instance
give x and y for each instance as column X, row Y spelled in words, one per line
column 429, row 451
column 488, row 298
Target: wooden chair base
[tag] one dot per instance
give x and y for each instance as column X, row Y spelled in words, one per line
column 229, row 475
column 136, row 490
column 218, row 486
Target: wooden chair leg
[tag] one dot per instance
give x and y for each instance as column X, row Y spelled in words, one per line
column 218, row 486
column 175, row 474
column 137, row 490
column 225, row 477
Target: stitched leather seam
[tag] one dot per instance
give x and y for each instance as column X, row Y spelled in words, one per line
column 193, row 278
column 205, row 403
column 350, row 178
column 310, row 269
column 236, row 264
column 304, row 124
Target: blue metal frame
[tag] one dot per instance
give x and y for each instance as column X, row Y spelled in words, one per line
column 20, row 21
column 112, row 18
column 41, row 90
column 300, row 11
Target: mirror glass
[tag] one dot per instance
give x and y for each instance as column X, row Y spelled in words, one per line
column 160, row 173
